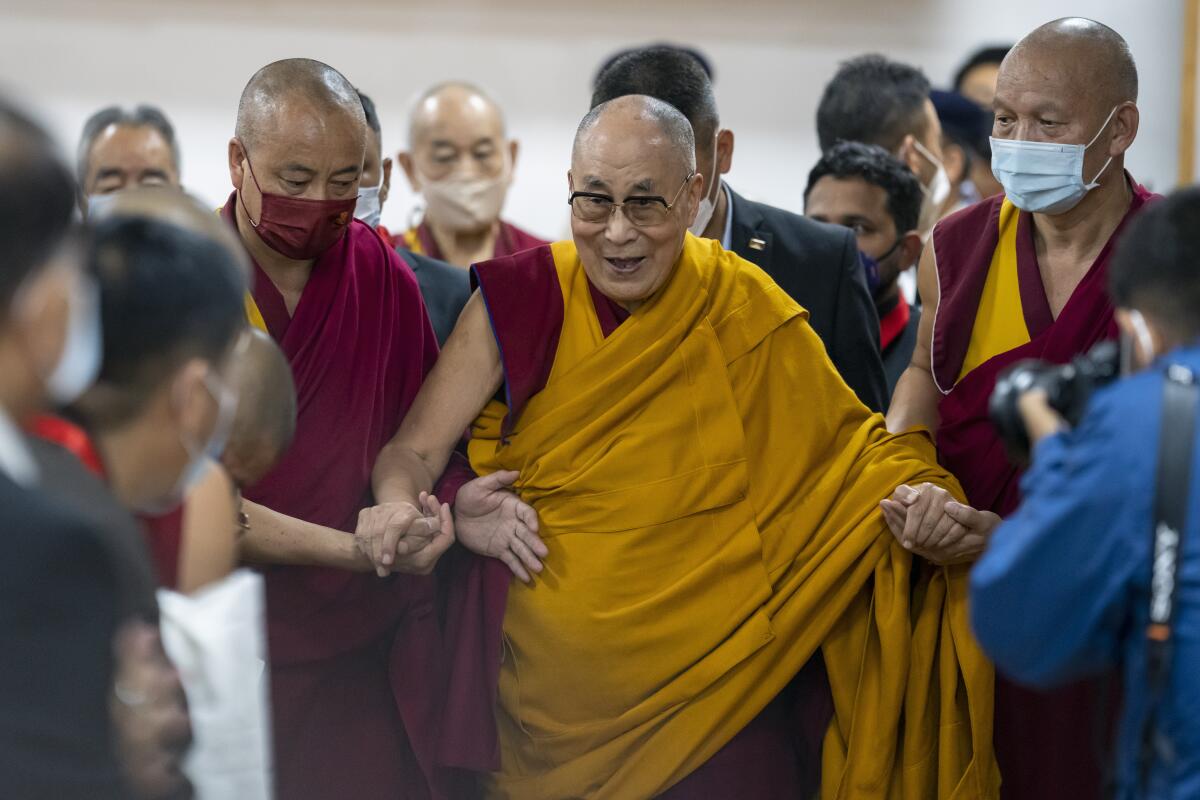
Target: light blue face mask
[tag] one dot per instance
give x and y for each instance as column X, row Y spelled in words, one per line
column 369, row 209
column 1044, row 177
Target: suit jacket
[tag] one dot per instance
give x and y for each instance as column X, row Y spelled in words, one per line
column 818, row 265
column 444, row 287
column 67, row 581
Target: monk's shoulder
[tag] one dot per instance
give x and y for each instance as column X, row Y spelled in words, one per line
column 964, row 227
column 377, row 264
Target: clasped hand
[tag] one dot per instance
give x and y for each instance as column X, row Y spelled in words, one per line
column 928, row 521
column 402, row 537
column 488, row 519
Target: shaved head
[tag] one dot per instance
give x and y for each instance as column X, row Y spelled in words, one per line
column 265, row 420
column 294, row 80
column 176, row 207
column 639, row 112
column 1089, row 57
column 456, row 98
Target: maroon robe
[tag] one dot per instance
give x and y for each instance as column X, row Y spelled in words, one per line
column 355, row 659
column 509, row 241
column 1045, row 741
column 775, row 757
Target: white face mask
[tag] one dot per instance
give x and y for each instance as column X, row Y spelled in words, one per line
column 1044, row 177
column 935, row 193
column 369, row 208
column 708, row 205
column 466, row 205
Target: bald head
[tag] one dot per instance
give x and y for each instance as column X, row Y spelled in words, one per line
column 454, row 104
column 294, row 81
column 265, row 420
column 1082, row 55
column 175, row 207
column 652, row 122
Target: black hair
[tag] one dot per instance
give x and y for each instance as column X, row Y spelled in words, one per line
column 667, row 73
column 992, row 54
column 879, row 168
column 144, row 116
column 874, row 100
column 700, row 58
column 369, row 110
column 37, row 199
column 167, row 294
column 1154, row 268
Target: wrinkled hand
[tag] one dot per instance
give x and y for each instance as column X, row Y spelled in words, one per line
column 402, row 537
column 149, row 713
column 928, row 521
column 492, row 521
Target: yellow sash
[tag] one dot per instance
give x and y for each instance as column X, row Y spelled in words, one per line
column 412, row 242
column 1000, row 321
column 708, row 489
column 253, row 315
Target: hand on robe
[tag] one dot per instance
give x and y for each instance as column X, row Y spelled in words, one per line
column 402, row 537
column 149, row 713
column 490, row 520
column 928, row 521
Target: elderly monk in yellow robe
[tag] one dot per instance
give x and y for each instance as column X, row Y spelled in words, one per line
column 707, row 493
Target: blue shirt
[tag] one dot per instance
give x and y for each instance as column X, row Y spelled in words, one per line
column 1063, row 589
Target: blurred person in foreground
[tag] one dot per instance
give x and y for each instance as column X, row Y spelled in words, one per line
column 1064, row 588
column 89, row 705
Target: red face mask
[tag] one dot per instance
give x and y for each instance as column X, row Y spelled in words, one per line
column 298, row 228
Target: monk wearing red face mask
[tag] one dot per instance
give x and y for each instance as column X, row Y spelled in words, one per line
column 353, row 655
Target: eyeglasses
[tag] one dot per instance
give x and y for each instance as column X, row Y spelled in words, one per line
column 642, row 211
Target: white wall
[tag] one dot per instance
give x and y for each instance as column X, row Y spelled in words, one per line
column 69, row 57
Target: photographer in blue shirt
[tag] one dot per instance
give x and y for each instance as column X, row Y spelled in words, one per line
column 1063, row 589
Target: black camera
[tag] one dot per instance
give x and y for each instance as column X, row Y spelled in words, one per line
column 1067, row 387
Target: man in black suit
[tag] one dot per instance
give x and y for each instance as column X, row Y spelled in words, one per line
column 444, row 287
column 77, row 638
column 817, row 264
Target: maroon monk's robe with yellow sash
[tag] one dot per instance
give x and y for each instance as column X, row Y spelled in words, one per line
column 509, row 240
column 354, row 658
column 992, row 313
column 708, row 489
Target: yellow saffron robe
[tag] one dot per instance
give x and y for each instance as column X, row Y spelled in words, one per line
column 708, row 489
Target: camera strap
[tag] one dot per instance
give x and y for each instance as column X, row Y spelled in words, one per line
column 1180, row 401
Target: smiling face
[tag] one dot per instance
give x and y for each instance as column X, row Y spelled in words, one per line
column 625, row 156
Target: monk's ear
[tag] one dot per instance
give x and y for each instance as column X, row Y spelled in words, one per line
column 513, row 148
column 385, row 185
column 410, row 170
column 1125, row 127
column 724, row 151
column 237, row 161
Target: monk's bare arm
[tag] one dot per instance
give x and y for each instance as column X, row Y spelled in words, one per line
column 275, row 538
column 915, row 400
column 466, row 376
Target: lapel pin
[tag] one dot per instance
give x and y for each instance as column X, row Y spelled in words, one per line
column 757, row 244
